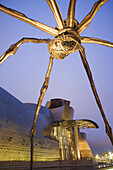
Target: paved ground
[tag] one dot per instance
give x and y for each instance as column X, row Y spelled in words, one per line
column 54, row 165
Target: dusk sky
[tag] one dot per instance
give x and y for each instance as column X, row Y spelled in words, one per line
column 23, row 74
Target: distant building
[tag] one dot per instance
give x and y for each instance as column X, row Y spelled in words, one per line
column 57, row 136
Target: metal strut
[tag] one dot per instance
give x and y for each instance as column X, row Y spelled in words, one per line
column 42, row 93
column 90, row 77
column 14, row 47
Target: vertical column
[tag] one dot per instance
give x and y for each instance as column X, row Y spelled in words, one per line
column 77, row 150
column 70, row 155
column 61, row 145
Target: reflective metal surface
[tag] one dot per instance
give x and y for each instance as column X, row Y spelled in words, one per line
column 71, row 13
column 87, row 20
column 14, row 47
column 55, row 9
column 67, row 132
column 67, row 42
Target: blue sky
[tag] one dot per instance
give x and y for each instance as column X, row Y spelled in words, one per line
column 23, row 74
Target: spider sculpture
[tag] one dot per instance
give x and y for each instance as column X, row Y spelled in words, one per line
column 67, row 40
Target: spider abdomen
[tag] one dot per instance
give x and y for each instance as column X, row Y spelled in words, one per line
column 64, row 44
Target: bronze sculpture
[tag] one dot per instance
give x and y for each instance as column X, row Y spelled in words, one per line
column 67, row 40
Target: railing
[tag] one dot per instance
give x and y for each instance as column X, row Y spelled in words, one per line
column 104, row 164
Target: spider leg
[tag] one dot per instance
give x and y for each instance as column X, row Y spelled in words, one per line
column 14, row 47
column 57, row 14
column 71, row 13
column 32, row 22
column 89, row 74
column 96, row 41
column 42, row 93
column 86, row 21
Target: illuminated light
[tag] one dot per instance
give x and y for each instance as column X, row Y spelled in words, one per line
column 96, row 156
column 110, row 156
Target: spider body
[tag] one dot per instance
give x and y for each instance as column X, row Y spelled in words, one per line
column 68, row 41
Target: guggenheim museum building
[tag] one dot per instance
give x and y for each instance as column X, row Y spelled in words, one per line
column 58, row 135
